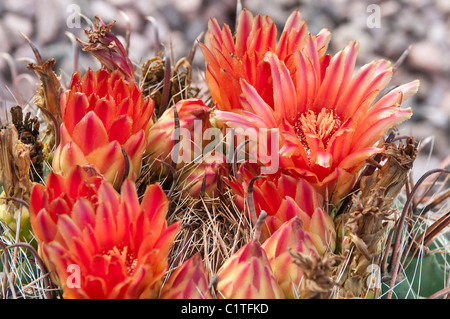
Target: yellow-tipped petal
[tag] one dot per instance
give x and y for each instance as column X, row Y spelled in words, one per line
column 247, row 275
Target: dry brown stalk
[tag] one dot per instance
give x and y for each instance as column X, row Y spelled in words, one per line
column 371, row 219
column 48, row 93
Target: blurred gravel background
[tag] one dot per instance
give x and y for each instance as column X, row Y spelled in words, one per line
column 423, row 24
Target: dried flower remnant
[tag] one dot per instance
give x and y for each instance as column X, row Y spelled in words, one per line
column 108, row 49
column 28, row 131
column 14, row 164
column 371, row 219
column 318, row 281
column 15, row 180
column 167, row 91
column 48, row 93
column 152, row 77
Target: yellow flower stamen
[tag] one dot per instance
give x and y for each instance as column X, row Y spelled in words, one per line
column 323, row 125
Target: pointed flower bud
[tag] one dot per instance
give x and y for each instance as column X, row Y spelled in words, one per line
column 189, row 281
column 15, row 182
column 290, row 237
column 247, row 275
column 203, row 177
column 184, row 143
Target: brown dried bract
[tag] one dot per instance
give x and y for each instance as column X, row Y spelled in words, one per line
column 14, row 164
column 181, row 81
column 151, row 78
column 49, row 92
column 392, row 175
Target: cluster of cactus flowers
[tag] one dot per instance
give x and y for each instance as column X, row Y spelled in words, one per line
column 135, row 222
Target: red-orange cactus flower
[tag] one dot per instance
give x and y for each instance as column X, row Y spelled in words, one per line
column 230, row 59
column 283, row 198
column 289, row 238
column 58, row 197
column 105, row 245
column 328, row 117
column 103, row 115
column 247, row 275
column 189, row 281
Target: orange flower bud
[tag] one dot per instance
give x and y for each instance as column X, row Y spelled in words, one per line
column 290, row 237
column 205, row 175
column 189, row 281
column 247, row 275
column 183, row 145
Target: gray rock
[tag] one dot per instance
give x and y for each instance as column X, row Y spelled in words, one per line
column 13, row 23
column 46, row 23
column 429, row 57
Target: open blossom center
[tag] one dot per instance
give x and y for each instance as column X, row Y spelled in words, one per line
column 125, row 257
column 321, row 125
